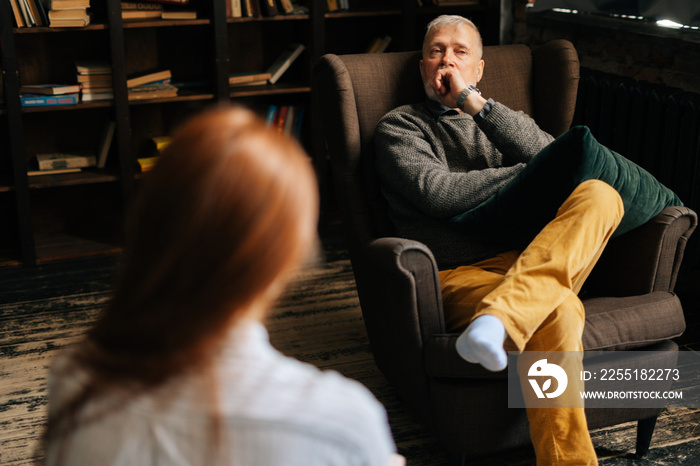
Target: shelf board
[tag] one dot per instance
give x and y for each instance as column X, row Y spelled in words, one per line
column 62, row 246
column 268, row 18
column 89, row 176
column 149, row 23
column 179, row 98
column 361, row 13
column 44, row 29
column 6, row 259
column 446, row 9
column 274, row 89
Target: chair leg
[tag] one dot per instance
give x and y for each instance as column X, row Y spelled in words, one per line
column 645, row 429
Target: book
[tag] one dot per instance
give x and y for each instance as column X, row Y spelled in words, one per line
column 57, row 161
column 158, row 143
column 67, row 4
column 250, row 8
column 286, row 6
column 171, row 2
column 379, row 44
column 270, row 116
column 36, row 100
column 78, row 13
column 17, row 11
column 69, row 23
column 236, row 8
column 96, row 86
column 281, row 118
column 332, row 5
column 50, row 89
column 147, row 163
column 298, row 120
column 284, row 61
column 131, row 15
column 106, row 94
column 126, row 5
column 59, row 171
column 94, row 78
column 257, row 77
column 152, row 91
column 289, row 121
column 27, row 13
column 105, row 143
column 37, row 13
column 268, row 8
column 148, row 77
column 178, row 14
column 90, row 67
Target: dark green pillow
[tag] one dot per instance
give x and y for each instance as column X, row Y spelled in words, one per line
column 519, row 210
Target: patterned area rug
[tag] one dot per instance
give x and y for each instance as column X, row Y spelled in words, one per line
column 318, row 320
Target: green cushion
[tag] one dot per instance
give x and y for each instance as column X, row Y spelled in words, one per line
column 519, row 210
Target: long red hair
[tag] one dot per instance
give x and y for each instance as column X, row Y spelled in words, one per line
column 229, row 210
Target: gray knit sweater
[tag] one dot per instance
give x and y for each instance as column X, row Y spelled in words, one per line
column 434, row 167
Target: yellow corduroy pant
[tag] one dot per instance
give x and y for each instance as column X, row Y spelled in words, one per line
column 534, row 293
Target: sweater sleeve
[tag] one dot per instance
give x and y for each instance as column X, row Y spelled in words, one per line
column 413, row 166
column 515, row 134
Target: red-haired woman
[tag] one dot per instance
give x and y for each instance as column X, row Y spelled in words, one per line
column 178, row 369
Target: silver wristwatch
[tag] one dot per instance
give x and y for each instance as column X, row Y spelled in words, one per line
column 463, row 95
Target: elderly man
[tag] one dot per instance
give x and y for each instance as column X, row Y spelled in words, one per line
column 446, row 156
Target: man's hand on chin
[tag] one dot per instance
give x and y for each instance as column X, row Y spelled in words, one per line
column 447, row 84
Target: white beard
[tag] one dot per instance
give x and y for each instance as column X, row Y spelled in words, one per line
column 430, row 92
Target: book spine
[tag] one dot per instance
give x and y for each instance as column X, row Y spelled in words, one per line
column 59, row 163
column 236, row 9
column 281, row 118
column 271, row 113
column 283, row 62
column 46, row 100
column 268, row 7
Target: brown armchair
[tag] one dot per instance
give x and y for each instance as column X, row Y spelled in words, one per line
column 397, row 279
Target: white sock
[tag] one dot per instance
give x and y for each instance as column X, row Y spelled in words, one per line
column 482, row 343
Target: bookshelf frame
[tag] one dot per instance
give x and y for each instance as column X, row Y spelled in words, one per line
column 22, row 243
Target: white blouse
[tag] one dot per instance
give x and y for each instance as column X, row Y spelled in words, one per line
column 273, row 410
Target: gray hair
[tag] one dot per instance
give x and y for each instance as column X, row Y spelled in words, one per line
column 451, row 20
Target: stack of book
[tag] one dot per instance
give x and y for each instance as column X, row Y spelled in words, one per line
column 151, row 85
column 95, row 78
column 154, row 9
column 136, row 10
column 41, row 95
column 69, row 13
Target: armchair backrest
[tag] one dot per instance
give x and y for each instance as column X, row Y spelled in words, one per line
column 355, row 91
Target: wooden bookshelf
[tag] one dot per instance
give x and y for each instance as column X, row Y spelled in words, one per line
column 54, row 217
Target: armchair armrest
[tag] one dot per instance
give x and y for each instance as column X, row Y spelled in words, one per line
column 409, row 268
column 399, row 290
column 646, row 259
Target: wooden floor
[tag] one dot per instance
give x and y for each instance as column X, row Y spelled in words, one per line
column 45, row 308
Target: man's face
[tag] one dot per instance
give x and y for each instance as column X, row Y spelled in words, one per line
column 455, row 47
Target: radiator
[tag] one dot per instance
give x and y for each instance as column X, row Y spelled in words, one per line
column 655, row 126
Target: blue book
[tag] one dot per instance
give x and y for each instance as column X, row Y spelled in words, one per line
column 35, row 100
column 271, row 112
